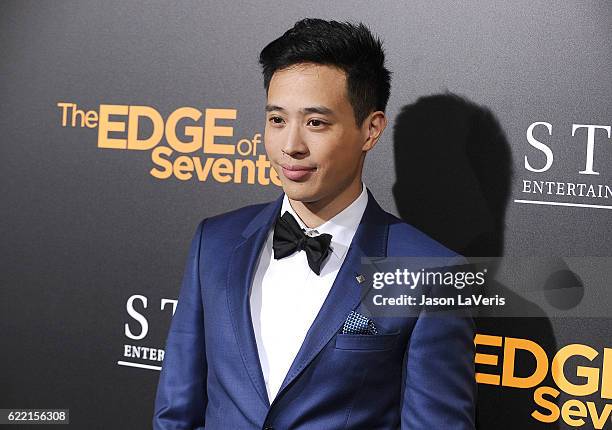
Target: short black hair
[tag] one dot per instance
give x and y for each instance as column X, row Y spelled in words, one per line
column 348, row 46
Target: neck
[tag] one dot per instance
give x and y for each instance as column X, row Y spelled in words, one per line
column 313, row 214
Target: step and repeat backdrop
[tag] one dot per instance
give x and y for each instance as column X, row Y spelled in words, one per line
column 123, row 124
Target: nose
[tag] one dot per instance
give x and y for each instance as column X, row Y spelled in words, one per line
column 294, row 144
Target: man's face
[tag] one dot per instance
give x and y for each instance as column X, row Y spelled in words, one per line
column 311, row 136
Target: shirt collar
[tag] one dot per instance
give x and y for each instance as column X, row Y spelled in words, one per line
column 342, row 226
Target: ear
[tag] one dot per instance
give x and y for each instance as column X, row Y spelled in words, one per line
column 373, row 126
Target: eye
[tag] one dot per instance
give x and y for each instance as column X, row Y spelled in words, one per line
column 275, row 120
column 317, row 123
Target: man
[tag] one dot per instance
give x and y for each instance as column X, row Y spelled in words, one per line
column 269, row 331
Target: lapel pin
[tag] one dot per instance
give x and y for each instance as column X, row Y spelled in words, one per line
column 360, row 279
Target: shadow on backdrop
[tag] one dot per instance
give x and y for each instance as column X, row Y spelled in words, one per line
column 454, row 168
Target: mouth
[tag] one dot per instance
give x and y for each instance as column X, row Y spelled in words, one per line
column 296, row 172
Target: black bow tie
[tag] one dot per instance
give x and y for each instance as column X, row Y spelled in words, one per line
column 289, row 237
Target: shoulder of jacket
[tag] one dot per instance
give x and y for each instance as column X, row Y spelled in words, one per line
column 237, row 219
column 406, row 238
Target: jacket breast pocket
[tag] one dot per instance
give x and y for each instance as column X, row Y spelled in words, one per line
column 366, row 342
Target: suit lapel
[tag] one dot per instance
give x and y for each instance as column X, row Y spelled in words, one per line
column 370, row 240
column 242, row 266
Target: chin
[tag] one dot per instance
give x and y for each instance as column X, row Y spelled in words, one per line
column 300, row 192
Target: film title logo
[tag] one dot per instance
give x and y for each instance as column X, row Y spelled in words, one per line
column 193, row 150
column 576, row 381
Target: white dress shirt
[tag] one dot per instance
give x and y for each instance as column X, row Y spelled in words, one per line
column 286, row 295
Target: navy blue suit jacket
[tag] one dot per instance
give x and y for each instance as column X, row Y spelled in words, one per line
column 416, row 373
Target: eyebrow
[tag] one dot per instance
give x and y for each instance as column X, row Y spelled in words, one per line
column 322, row 110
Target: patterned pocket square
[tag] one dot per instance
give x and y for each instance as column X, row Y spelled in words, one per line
column 358, row 324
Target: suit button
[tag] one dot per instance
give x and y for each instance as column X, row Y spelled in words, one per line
column 268, row 428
